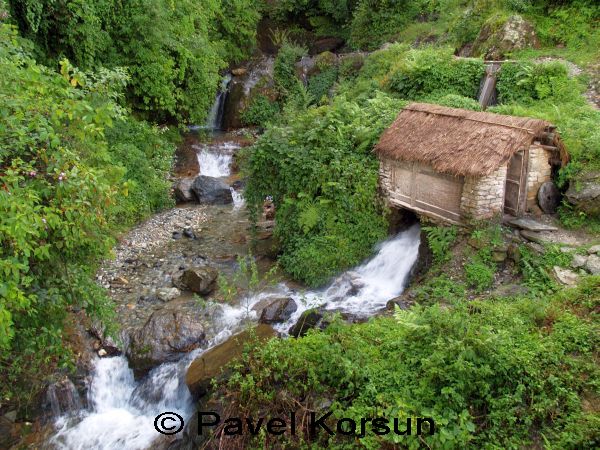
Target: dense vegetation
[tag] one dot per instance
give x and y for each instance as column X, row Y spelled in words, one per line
column 501, row 373
column 74, row 168
column 366, row 24
column 173, row 50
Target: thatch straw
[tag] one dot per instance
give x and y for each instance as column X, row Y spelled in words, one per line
column 457, row 141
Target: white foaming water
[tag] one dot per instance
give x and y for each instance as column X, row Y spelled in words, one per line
column 215, row 115
column 215, row 159
column 238, row 199
column 366, row 289
column 121, row 411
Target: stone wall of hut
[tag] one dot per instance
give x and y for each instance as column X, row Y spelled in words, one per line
column 483, row 197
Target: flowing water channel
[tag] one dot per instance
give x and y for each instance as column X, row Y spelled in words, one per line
column 120, row 410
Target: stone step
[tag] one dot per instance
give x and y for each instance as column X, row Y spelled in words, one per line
column 531, row 225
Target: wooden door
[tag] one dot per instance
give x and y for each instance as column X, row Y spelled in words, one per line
column 515, row 193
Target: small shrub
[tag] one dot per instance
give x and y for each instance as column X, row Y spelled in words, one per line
column 479, row 274
column 440, row 289
column 261, row 111
column 320, row 84
column 440, row 240
column 284, row 70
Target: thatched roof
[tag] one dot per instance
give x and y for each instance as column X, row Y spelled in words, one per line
column 457, row 141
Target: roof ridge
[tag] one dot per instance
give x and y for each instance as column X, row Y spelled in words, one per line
column 472, row 119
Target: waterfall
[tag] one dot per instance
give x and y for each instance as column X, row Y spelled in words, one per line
column 121, row 411
column 487, row 91
column 215, row 116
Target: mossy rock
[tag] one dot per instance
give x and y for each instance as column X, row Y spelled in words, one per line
column 500, row 36
column 212, row 363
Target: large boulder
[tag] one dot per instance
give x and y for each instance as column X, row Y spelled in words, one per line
column 211, row 191
column 585, row 194
column 308, row 319
column 182, row 190
column 200, row 280
column 497, row 39
column 211, row 363
column 167, row 334
column 328, row 44
column 278, row 310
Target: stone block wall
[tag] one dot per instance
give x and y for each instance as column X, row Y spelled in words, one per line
column 538, row 172
column 385, row 176
column 483, row 197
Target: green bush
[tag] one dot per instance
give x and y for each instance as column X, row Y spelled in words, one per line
column 423, row 72
column 454, row 101
column 261, row 111
column 323, row 178
column 284, row 70
column 525, row 81
column 479, row 274
column 500, row 373
column 319, row 85
column 440, row 289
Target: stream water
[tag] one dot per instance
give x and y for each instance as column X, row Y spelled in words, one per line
column 120, row 410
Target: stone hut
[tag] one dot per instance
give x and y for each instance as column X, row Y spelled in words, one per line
column 458, row 165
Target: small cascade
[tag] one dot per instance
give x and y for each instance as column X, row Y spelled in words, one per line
column 238, row 198
column 215, row 159
column 215, row 116
column 487, row 91
column 366, row 289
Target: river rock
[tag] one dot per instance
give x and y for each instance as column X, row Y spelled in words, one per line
column 168, row 294
column 239, row 72
column 593, row 265
column 211, row 363
column 278, row 310
column 211, row 191
column 585, row 194
column 168, row 333
column 534, row 236
column 549, row 197
column 200, row 280
column 328, row 44
column 594, row 250
column 309, row 319
column 183, row 190
column 63, row 398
